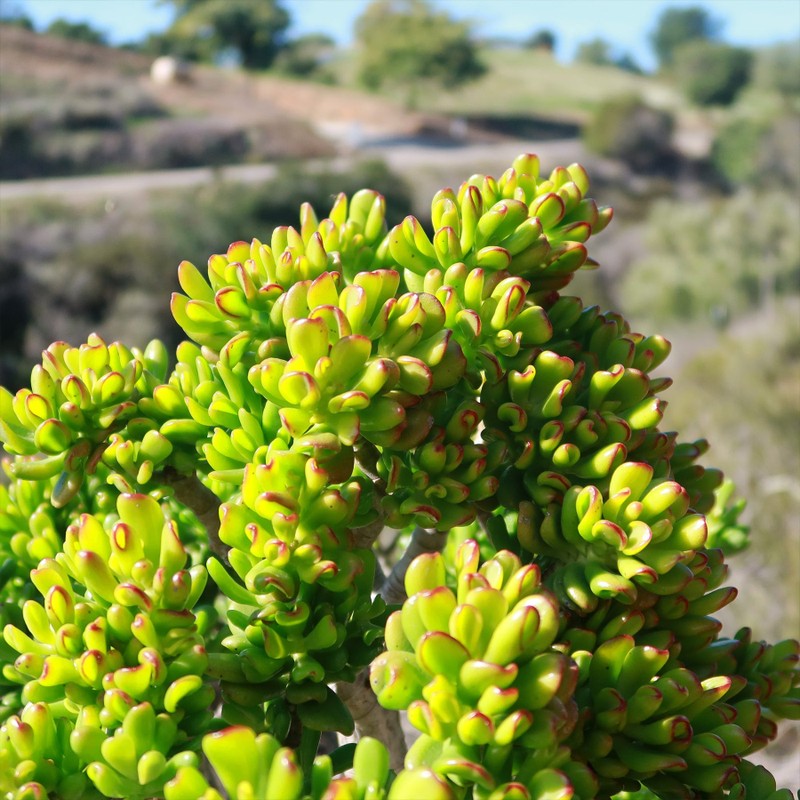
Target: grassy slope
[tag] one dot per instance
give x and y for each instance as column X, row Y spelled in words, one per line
column 526, row 81
column 519, row 81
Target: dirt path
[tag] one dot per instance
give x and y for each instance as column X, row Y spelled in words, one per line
column 438, row 161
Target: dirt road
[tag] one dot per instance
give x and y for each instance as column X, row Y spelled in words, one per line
column 399, row 156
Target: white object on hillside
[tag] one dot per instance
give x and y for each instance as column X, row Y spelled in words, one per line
column 168, row 69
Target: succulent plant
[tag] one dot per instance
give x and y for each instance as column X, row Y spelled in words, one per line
column 192, row 589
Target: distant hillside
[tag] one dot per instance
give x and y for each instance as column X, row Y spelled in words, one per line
column 52, row 59
column 73, row 108
column 69, row 108
column 531, row 82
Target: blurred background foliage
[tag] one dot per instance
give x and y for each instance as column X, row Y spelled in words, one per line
column 715, row 260
column 67, row 270
column 700, row 159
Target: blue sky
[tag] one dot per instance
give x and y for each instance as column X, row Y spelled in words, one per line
column 625, row 23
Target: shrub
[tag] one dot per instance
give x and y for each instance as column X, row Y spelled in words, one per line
column 736, row 149
column 14, row 16
column 732, row 256
column 596, row 51
column 626, row 127
column 190, row 567
column 755, row 422
column 102, row 126
column 777, row 69
column 190, row 143
column 711, row 73
column 124, row 251
column 305, row 57
column 602, row 53
column 778, row 154
column 759, row 152
column 542, row 39
column 75, row 31
column 64, row 130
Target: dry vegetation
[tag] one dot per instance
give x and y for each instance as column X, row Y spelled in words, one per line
column 74, row 108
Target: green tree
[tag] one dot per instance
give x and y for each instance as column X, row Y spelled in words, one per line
column 76, row 31
column 677, row 26
column 408, row 43
column 712, row 73
column 542, row 39
column 12, row 13
column 596, row 51
column 626, row 127
column 306, row 55
column 602, row 53
column 204, row 29
column 628, row 63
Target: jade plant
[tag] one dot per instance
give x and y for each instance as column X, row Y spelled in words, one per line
column 395, row 482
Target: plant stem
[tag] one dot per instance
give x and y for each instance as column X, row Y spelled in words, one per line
column 307, row 752
column 372, row 719
column 365, row 536
column 367, row 455
column 190, row 491
column 422, row 541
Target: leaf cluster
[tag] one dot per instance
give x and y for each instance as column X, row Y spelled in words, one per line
column 193, row 545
